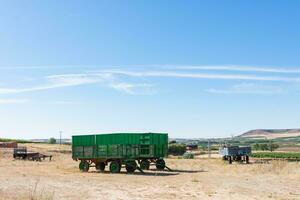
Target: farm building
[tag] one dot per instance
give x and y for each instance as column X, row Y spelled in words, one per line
column 8, row 144
column 191, row 147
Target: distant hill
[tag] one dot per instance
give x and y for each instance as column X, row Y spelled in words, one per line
column 271, row 133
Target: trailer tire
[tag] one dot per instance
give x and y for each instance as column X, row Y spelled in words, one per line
column 229, row 159
column 237, row 158
column 160, row 164
column 84, row 166
column 247, row 159
column 130, row 166
column 115, row 167
column 145, row 165
column 100, row 166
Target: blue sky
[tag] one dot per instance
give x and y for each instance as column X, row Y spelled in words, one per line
column 190, row 68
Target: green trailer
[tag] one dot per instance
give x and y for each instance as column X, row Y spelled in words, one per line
column 131, row 150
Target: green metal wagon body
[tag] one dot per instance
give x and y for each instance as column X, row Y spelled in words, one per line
column 121, row 148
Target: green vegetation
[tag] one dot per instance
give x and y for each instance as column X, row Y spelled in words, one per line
column 176, row 149
column 258, row 144
column 265, row 147
column 292, row 156
column 188, row 155
column 251, row 141
column 214, row 147
column 14, row 140
column 172, row 142
column 52, row 141
column 288, row 139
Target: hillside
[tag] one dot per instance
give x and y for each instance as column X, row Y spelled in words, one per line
column 271, row 133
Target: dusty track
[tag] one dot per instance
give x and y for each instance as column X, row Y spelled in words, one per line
column 191, row 179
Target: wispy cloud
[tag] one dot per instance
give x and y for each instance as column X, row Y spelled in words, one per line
column 13, row 101
column 70, row 80
column 66, row 102
column 239, row 68
column 176, row 74
column 58, row 81
column 119, row 79
column 133, row 89
column 248, row 88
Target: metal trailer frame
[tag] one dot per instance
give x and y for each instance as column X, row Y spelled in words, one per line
column 22, row 153
column 133, row 151
column 235, row 153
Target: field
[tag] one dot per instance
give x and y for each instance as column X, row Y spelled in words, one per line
column 282, row 155
column 200, row 178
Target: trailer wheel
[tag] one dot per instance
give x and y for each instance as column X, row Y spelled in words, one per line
column 145, row 164
column 115, row 167
column 229, row 159
column 130, row 166
column 84, row 166
column 160, row 164
column 247, row 159
column 100, row 166
column 237, row 158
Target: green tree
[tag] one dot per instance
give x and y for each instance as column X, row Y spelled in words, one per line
column 176, row 149
column 273, row 147
column 52, row 141
column 265, row 147
column 256, row 147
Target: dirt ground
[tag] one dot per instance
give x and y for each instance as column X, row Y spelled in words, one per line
column 201, row 178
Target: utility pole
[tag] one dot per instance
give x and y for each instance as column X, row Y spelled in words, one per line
column 208, row 145
column 60, row 132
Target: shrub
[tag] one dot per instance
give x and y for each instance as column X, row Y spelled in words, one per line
column 52, row 141
column 176, row 149
column 188, row 155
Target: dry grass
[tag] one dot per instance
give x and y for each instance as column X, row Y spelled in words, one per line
column 36, row 194
column 200, row 178
column 278, row 167
column 33, row 192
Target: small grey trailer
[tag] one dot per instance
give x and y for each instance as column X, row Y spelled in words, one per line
column 22, row 153
column 235, row 153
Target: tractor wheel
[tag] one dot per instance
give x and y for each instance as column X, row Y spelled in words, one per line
column 160, row 164
column 145, row 164
column 115, row 167
column 100, row 166
column 130, row 166
column 84, row 166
